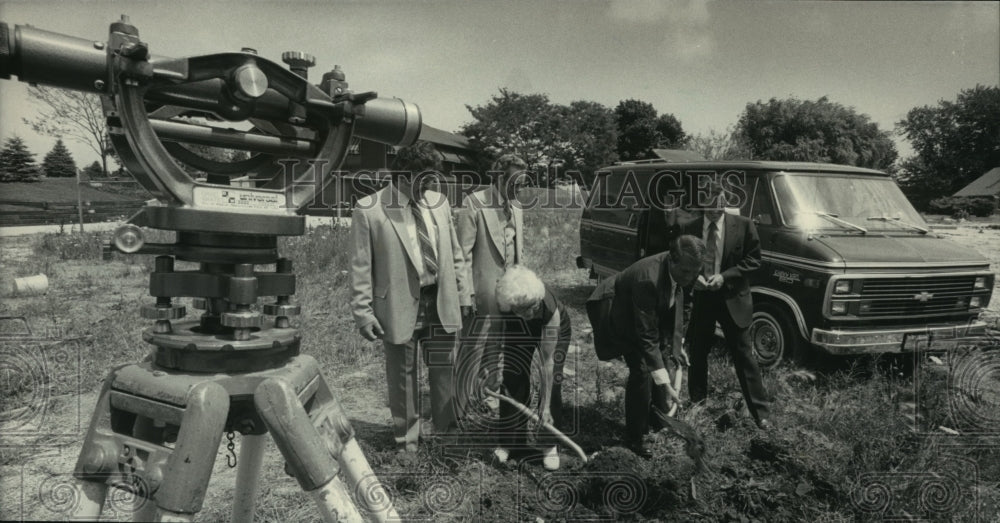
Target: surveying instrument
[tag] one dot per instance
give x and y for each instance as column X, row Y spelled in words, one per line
column 158, row 423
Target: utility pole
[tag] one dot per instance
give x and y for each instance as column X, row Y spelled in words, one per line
column 79, row 200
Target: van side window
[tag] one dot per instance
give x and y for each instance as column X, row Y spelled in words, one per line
column 762, row 210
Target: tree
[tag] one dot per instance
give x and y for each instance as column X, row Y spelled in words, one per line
column 59, row 163
column 719, row 146
column 514, row 123
column 814, row 131
column 74, row 115
column 640, row 130
column 637, row 133
column 17, row 163
column 590, row 135
column 955, row 143
column 670, row 133
column 93, row 171
column 580, row 137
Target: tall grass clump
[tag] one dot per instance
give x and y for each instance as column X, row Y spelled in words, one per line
column 72, row 246
column 552, row 229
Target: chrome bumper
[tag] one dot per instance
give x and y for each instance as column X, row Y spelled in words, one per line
column 930, row 337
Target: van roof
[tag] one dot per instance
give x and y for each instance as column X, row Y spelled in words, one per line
column 748, row 165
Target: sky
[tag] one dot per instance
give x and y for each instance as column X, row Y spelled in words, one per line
column 703, row 62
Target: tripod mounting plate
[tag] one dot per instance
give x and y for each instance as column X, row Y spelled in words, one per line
column 202, row 220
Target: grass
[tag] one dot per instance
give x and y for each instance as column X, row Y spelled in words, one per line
column 58, row 190
column 860, row 440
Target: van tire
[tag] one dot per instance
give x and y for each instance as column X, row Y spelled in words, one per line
column 773, row 335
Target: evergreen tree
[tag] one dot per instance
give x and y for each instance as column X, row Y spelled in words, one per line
column 93, row 171
column 59, row 163
column 17, row 163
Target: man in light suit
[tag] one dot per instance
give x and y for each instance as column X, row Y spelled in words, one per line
column 638, row 314
column 722, row 294
column 491, row 231
column 408, row 288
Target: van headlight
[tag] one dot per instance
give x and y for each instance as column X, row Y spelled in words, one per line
column 980, row 282
column 975, row 302
column 842, row 287
column 838, row 308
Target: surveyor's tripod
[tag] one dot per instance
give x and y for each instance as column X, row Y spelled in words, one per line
column 158, row 423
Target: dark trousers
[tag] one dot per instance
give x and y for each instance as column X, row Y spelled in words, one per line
column 645, row 401
column 513, row 426
column 401, row 376
column 709, row 308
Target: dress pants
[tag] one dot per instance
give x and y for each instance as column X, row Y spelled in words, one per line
column 513, row 426
column 478, row 363
column 710, row 307
column 645, row 401
column 401, row 371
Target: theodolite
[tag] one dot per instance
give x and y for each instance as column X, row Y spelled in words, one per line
column 158, row 424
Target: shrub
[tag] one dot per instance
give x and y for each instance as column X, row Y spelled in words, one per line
column 963, row 207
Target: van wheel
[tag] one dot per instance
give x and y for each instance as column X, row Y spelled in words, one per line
column 772, row 336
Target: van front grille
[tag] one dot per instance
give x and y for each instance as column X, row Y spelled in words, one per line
column 916, row 295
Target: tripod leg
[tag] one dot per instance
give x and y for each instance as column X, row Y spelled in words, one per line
column 95, row 462
column 366, row 485
column 91, row 500
column 247, row 474
column 182, row 493
column 309, row 456
column 145, row 507
column 329, row 419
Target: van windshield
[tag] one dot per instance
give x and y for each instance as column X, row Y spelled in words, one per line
column 854, row 203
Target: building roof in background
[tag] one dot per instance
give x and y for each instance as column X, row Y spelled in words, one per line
column 986, row 185
column 443, row 138
column 678, row 155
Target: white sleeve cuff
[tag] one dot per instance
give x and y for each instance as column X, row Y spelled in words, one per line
column 660, row 377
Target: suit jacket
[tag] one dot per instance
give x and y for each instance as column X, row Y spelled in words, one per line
column 384, row 278
column 631, row 311
column 480, row 224
column 740, row 257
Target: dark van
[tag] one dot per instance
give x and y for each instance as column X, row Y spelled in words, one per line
column 848, row 266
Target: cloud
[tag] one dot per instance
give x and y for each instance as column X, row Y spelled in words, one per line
column 690, row 45
column 682, row 26
column 681, row 12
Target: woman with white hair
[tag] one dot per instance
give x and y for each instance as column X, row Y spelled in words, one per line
column 545, row 325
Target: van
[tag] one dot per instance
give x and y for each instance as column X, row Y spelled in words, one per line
column 848, row 265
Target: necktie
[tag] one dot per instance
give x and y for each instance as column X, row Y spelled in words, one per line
column 426, row 249
column 711, row 247
column 678, row 318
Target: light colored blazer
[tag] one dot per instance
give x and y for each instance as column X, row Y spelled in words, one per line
column 480, row 224
column 384, row 276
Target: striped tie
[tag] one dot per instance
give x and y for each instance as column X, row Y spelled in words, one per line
column 426, row 249
column 678, row 339
column 711, row 247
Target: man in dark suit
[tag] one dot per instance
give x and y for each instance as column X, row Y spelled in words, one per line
column 722, row 294
column 637, row 314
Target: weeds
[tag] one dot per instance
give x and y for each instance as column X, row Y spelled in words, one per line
column 844, row 435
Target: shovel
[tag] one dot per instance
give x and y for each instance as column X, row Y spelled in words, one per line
column 534, row 417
